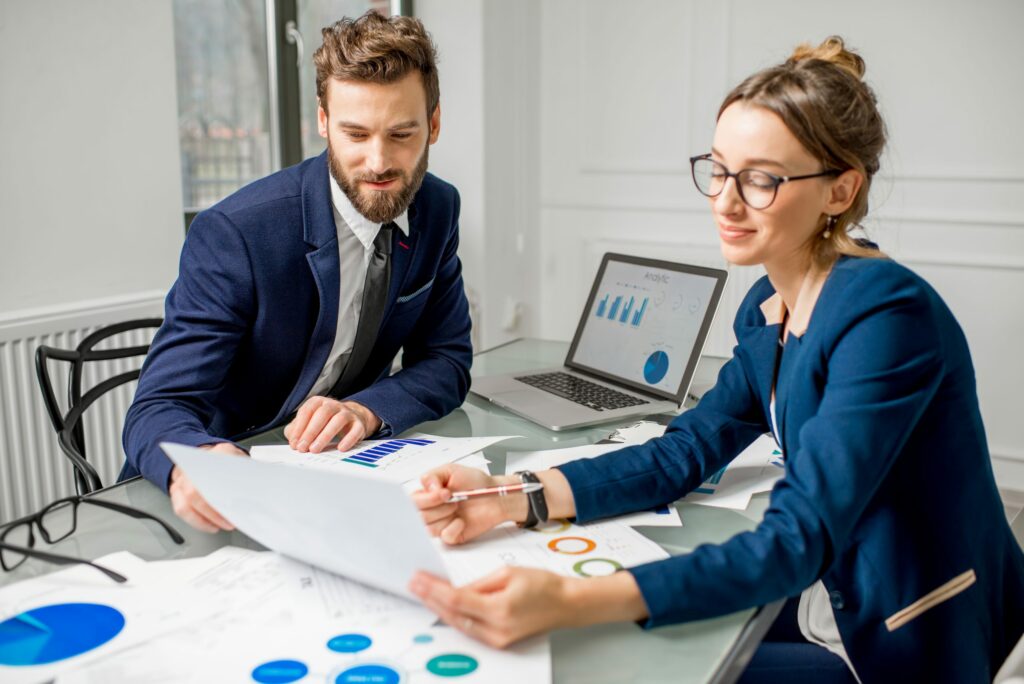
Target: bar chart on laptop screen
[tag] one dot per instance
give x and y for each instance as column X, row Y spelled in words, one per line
column 644, row 322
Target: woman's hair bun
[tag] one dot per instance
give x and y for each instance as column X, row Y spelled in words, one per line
column 832, row 50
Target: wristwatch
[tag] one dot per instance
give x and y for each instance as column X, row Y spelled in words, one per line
column 537, row 503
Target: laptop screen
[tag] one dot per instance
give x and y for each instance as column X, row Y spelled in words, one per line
column 645, row 323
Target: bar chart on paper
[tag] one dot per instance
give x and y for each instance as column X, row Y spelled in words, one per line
column 396, row 459
column 373, row 456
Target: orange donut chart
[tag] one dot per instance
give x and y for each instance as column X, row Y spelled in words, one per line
column 588, row 545
column 552, row 527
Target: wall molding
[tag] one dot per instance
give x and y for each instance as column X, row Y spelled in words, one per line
column 45, row 320
column 1008, row 466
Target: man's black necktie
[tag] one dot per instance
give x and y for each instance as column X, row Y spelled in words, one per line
column 375, row 298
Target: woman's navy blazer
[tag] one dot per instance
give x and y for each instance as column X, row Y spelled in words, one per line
column 888, row 496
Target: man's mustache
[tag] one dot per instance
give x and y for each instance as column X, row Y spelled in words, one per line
column 380, row 177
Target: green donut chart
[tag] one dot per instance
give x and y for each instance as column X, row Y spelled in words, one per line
column 599, row 567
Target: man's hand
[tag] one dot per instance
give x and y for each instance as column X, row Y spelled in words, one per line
column 190, row 505
column 321, row 419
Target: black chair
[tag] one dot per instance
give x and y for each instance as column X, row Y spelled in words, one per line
column 70, row 433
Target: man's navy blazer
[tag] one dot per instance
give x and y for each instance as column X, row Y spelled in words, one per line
column 888, row 495
column 252, row 317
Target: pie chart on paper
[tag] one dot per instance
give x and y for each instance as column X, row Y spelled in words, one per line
column 56, row 632
column 656, row 367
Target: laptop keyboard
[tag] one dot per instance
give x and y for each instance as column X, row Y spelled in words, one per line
column 577, row 390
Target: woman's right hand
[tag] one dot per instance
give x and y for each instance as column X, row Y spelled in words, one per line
column 459, row 522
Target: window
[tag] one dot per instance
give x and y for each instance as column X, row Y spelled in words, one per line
column 247, row 88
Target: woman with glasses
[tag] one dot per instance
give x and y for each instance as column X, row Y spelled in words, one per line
column 886, row 532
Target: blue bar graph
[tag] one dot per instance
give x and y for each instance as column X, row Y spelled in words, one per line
column 639, row 315
column 625, row 312
column 615, row 308
column 601, row 306
column 370, row 457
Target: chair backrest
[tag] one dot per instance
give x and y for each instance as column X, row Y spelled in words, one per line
column 70, row 432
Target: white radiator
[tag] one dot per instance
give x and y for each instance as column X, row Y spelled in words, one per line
column 33, row 469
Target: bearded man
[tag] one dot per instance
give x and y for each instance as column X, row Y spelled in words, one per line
column 295, row 293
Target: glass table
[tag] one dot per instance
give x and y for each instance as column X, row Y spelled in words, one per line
column 712, row 650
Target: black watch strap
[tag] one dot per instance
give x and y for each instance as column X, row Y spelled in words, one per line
column 537, row 503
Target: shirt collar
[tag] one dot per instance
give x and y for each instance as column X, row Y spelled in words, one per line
column 364, row 229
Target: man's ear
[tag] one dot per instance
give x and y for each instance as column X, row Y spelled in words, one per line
column 844, row 191
column 435, row 124
column 321, row 121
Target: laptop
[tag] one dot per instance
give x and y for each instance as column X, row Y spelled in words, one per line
column 634, row 352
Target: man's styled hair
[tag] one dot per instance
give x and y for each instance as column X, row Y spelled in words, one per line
column 376, row 49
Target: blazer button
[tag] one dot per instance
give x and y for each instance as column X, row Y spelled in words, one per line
column 836, row 599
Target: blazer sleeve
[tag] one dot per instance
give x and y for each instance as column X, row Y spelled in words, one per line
column 883, row 368
column 696, row 444
column 206, row 315
column 436, row 356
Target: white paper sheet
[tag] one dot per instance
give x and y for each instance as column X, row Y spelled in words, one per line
column 282, row 636
column 559, row 546
column 637, row 433
column 397, row 459
column 396, row 648
column 476, row 461
column 663, row 516
column 359, row 526
column 41, row 625
column 756, row 469
column 239, row 589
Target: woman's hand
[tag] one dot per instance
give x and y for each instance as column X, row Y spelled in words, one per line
column 514, row 602
column 502, row 608
column 456, row 523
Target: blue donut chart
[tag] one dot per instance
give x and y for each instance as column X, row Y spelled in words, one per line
column 656, row 367
column 57, row 632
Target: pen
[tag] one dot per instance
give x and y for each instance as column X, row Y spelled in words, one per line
column 502, row 490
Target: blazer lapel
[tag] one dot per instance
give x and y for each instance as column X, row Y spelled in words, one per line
column 760, row 342
column 321, row 233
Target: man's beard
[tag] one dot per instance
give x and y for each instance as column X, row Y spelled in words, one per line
column 379, row 206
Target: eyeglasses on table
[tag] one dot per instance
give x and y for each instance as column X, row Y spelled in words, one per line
column 58, row 521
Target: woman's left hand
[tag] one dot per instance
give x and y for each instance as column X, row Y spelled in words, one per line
column 502, row 608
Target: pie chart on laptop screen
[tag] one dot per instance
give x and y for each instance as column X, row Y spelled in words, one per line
column 56, row 632
column 656, row 367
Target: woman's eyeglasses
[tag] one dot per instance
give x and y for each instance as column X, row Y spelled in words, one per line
column 56, row 522
column 756, row 188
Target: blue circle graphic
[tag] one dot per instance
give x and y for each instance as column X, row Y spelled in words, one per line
column 349, row 643
column 280, row 672
column 656, row 367
column 56, row 632
column 369, row 674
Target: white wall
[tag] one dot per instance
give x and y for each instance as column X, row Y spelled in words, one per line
column 90, row 188
column 630, row 91
column 490, row 129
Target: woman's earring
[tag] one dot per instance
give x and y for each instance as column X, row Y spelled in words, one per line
column 829, row 225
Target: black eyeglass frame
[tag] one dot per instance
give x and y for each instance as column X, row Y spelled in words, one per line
column 36, row 520
column 776, row 180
